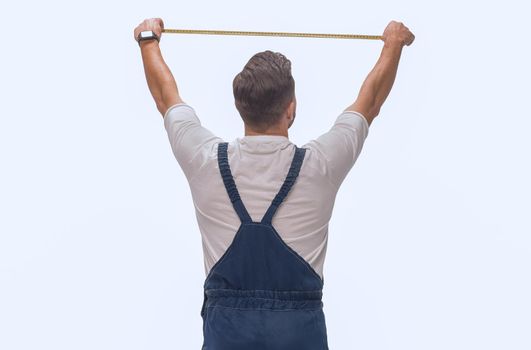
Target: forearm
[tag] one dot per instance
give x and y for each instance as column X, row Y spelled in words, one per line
column 380, row 80
column 159, row 78
column 378, row 84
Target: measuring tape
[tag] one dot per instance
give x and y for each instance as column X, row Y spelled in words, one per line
column 277, row 34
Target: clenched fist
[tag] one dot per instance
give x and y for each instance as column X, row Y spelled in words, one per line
column 397, row 33
column 154, row 24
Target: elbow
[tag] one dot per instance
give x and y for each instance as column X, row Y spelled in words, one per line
column 162, row 107
column 372, row 113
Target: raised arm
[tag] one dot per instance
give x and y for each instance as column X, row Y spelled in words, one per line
column 379, row 82
column 160, row 81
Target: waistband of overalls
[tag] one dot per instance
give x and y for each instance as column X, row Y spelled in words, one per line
column 264, row 299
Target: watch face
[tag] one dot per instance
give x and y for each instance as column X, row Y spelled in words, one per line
column 147, row 34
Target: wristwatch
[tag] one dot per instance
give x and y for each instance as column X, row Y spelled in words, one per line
column 147, row 35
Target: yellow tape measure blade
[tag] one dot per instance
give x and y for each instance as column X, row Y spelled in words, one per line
column 277, row 34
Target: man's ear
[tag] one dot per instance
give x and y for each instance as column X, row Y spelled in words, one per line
column 291, row 109
column 290, row 112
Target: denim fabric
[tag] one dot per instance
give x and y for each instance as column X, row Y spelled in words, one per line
column 262, row 295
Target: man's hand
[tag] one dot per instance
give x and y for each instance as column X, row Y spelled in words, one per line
column 396, row 33
column 380, row 80
column 154, row 24
column 160, row 81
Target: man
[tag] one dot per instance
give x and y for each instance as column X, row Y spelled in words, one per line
column 262, row 203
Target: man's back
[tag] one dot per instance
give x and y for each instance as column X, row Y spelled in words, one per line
column 259, row 165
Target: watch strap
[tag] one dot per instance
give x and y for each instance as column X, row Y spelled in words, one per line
column 144, row 38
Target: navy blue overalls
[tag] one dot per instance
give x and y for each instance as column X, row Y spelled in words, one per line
column 261, row 294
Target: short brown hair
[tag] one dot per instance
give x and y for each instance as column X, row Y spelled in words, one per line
column 264, row 89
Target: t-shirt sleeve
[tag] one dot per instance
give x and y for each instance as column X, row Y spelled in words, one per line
column 191, row 143
column 341, row 145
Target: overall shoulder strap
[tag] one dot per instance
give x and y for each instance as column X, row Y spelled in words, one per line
column 293, row 172
column 230, row 186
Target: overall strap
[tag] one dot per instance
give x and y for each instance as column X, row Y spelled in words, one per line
column 293, row 172
column 230, row 186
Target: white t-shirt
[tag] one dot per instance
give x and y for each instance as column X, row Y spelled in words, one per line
column 259, row 165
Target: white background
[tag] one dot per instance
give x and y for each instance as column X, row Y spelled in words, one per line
column 429, row 243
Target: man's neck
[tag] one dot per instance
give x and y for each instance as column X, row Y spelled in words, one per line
column 271, row 132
